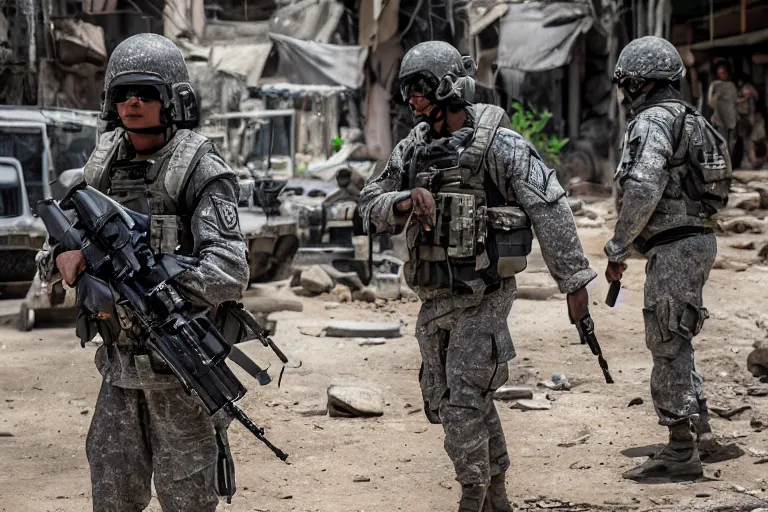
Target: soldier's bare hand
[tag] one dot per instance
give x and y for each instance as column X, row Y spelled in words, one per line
column 404, row 205
column 578, row 303
column 615, row 271
column 71, row 264
column 424, row 206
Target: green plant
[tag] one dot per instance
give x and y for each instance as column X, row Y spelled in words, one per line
column 530, row 124
column 336, row 144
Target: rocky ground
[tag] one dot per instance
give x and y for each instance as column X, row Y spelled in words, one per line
column 569, row 457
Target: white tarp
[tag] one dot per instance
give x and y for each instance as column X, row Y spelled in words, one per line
column 539, row 36
column 184, row 18
column 309, row 20
column 312, row 63
column 245, row 60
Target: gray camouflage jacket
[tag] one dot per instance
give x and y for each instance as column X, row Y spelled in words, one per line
column 516, row 169
column 649, row 193
column 221, row 275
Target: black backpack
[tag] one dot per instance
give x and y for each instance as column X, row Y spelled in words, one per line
column 710, row 174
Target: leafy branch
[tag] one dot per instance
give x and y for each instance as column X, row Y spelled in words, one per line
column 530, row 124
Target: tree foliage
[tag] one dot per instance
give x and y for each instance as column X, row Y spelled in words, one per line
column 530, row 124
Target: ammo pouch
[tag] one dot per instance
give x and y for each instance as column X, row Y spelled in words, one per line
column 164, row 233
column 509, row 230
column 468, row 242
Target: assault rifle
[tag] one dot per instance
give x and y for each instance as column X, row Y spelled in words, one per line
column 116, row 246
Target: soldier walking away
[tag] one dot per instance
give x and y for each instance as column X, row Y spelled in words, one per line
column 673, row 175
column 722, row 97
column 144, row 425
column 467, row 190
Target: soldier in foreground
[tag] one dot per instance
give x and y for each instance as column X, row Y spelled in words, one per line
column 473, row 188
column 144, row 425
column 673, row 175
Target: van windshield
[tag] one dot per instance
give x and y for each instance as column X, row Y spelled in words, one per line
column 26, row 146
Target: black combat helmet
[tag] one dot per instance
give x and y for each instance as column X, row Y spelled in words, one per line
column 151, row 67
column 438, row 71
column 648, row 59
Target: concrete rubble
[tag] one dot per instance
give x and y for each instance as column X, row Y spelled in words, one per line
column 513, row 393
column 316, row 280
column 351, row 329
column 354, row 401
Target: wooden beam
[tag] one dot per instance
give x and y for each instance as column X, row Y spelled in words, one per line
column 743, row 16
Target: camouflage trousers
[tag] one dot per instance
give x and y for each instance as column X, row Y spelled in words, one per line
column 673, row 315
column 465, row 345
column 137, row 432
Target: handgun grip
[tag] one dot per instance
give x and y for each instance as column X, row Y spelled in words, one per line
column 613, row 293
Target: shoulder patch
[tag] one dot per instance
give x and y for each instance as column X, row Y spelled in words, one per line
column 539, row 176
column 226, row 213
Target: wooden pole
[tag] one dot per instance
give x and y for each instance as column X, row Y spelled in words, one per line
column 743, row 16
column 711, row 20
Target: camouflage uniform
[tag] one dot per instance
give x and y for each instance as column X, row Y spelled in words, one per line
column 144, row 424
column 661, row 215
column 464, row 339
column 651, row 202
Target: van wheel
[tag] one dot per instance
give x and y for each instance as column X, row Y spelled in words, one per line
column 26, row 318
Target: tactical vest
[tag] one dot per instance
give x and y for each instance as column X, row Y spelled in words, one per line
column 153, row 186
column 477, row 234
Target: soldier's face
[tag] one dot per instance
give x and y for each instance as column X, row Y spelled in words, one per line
column 139, row 113
column 420, row 106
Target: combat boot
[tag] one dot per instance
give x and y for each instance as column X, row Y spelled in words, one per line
column 678, row 459
column 496, row 498
column 472, row 498
column 710, row 449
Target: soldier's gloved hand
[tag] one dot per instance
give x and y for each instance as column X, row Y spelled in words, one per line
column 423, row 204
column 71, row 264
column 615, row 271
column 578, row 303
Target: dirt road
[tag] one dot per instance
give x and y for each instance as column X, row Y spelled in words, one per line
column 48, row 387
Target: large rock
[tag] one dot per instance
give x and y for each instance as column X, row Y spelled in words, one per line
column 316, row 280
column 348, row 279
column 353, row 401
column 513, row 393
column 747, row 201
column 341, row 293
column 761, row 188
column 351, row 329
column 364, row 295
column 533, row 405
column 742, row 225
column 763, row 253
column 575, row 204
column 271, row 305
column 757, row 360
